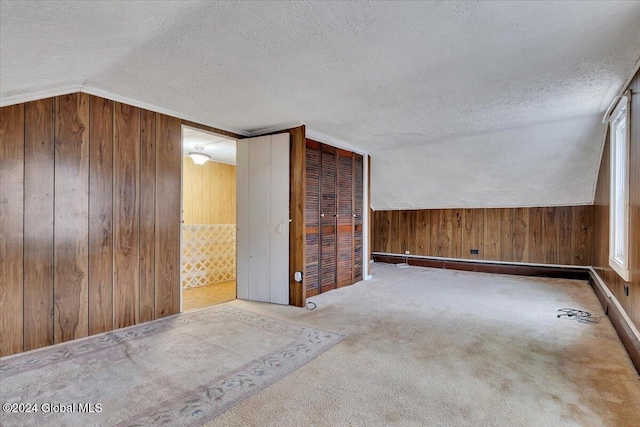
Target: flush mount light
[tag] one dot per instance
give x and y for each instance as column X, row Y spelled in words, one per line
column 198, row 157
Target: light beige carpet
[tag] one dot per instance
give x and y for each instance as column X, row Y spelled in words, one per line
column 429, row 347
column 179, row 371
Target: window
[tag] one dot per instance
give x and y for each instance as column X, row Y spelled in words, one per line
column 619, row 209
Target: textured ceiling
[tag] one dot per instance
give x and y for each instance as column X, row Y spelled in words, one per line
column 465, row 104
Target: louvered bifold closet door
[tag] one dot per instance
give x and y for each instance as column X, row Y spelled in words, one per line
column 358, row 203
column 312, row 233
column 345, row 218
column 328, row 211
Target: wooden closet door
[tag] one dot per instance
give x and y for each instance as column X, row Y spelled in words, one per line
column 345, row 218
column 312, row 220
column 328, row 211
column 358, row 202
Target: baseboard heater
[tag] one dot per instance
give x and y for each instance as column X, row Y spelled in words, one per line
column 628, row 333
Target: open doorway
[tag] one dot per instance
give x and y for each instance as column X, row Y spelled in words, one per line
column 208, row 243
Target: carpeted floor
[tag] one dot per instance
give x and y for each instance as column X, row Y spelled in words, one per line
column 178, row 371
column 429, row 347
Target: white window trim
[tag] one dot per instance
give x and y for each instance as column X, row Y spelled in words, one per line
column 620, row 266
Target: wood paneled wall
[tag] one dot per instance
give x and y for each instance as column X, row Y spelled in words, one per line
column 554, row 235
column 209, row 193
column 297, row 212
column 631, row 303
column 89, row 218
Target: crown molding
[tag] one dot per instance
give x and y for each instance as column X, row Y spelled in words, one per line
column 123, row 99
column 65, row 90
column 273, row 129
column 326, row 139
column 39, row 94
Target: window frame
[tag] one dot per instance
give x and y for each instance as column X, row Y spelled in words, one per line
column 620, row 264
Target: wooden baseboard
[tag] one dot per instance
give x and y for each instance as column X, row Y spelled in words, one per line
column 618, row 318
column 567, row 272
column 620, row 321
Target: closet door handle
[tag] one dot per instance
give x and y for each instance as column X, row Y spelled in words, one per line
column 322, row 215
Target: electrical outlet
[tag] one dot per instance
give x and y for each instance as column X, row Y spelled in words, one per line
column 626, row 290
column 475, row 251
column 407, row 252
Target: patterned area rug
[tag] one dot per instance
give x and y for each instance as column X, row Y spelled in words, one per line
column 180, row 371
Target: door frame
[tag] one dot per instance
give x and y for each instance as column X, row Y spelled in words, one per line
column 182, row 156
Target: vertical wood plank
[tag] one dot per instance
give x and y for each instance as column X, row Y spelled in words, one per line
column 383, row 222
column 423, row 232
column 550, row 231
column 11, row 228
column 412, row 234
column 211, row 180
column 492, row 234
column 565, row 229
column 197, row 182
column 434, row 239
column 168, row 171
column 536, row 240
column 297, row 210
column 38, row 224
column 478, row 220
column 187, row 189
column 445, row 233
column 581, row 236
column 521, row 235
column 405, row 231
column 71, row 223
column 395, row 245
column 100, row 215
column 472, row 232
column 457, row 226
column 506, row 234
column 147, row 214
column 126, row 232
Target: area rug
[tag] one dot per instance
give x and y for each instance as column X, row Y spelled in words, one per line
column 179, row 371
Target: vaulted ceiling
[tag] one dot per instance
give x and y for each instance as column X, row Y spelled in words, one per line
column 460, row 104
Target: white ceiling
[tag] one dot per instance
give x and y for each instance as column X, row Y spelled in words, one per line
column 220, row 149
column 461, row 104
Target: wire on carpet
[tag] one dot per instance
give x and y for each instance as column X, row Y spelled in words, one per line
column 579, row 315
column 312, row 303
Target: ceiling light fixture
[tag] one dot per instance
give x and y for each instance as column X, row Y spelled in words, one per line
column 198, row 157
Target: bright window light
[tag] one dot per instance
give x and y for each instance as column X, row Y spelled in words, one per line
column 619, row 207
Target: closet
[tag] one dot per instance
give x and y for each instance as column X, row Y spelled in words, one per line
column 334, row 222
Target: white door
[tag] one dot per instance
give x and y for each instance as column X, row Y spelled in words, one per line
column 263, row 219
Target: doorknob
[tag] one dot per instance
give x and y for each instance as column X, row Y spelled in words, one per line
column 322, row 215
column 280, row 227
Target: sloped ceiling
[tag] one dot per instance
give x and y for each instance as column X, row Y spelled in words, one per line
column 469, row 104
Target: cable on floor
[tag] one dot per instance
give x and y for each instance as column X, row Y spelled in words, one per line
column 312, row 303
column 579, row 315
